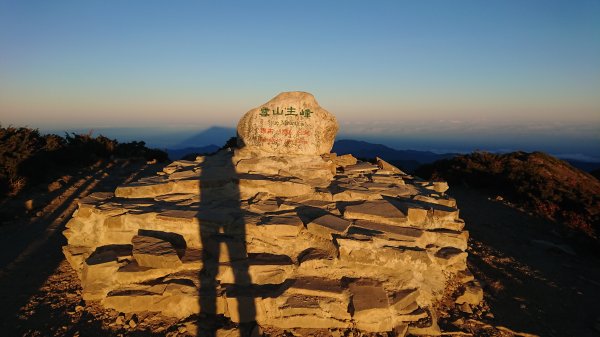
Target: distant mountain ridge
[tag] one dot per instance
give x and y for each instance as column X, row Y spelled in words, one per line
column 176, row 154
column 408, row 160
column 197, row 143
column 213, row 135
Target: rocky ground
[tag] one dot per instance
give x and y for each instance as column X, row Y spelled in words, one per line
column 39, row 292
column 534, row 280
column 534, row 283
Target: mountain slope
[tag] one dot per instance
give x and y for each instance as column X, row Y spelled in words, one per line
column 545, row 185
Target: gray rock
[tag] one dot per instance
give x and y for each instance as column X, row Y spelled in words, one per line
column 154, row 253
column 327, row 225
column 371, row 308
column 376, row 210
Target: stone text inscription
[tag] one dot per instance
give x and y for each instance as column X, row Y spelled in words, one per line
column 287, row 132
column 285, row 111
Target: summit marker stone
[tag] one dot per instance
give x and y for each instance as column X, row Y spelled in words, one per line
column 290, row 123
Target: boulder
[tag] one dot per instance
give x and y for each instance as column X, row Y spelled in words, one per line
column 290, row 123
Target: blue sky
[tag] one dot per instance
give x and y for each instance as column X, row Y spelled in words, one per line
column 443, row 70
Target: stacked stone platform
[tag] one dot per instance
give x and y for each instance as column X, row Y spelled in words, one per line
column 289, row 240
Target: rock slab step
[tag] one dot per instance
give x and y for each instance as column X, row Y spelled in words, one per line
column 154, row 253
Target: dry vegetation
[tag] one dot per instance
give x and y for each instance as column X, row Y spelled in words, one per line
column 537, row 182
column 28, row 157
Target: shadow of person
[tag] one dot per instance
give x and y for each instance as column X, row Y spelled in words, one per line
column 223, row 237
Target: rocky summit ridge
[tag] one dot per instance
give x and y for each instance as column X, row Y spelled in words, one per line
column 278, row 231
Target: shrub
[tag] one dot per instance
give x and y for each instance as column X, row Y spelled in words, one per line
column 537, row 181
column 27, row 157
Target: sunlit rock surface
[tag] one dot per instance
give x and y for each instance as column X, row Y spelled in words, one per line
column 290, row 123
column 289, row 239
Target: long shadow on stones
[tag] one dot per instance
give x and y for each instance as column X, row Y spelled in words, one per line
column 29, row 246
column 223, row 237
column 39, row 257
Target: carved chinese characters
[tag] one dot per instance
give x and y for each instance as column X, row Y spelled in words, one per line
column 289, row 111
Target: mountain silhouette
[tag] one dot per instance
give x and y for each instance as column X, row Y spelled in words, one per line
column 369, row 150
column 408, row 160
column 214, row 135
column 176, row 154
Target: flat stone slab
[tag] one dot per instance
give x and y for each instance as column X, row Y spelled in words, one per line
column 264, row 206
column 284, row 225
column 371, row 308
column 368, row 295
column 354, row 194
column 317, row 286
column 251, row 184
column 327, row 225
column 403, row 301
column 154, row 253
column 360, row 167
column 390, row 231
column 376, row 210
column 385, row 178
column 376, row 186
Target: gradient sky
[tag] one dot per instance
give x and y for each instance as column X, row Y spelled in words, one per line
column 454, row 69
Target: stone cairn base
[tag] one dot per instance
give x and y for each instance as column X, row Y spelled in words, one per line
column 286, row 240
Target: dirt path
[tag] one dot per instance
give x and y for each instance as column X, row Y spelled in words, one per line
column 534, row 281
column 39, row 292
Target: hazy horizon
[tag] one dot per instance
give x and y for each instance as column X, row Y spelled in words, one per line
column 439, row 75
column 176, row 138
